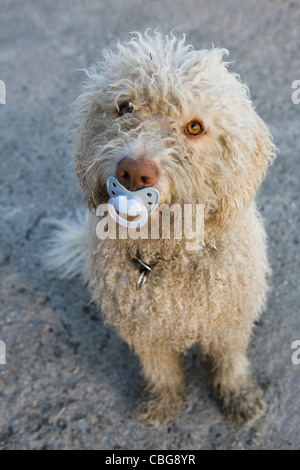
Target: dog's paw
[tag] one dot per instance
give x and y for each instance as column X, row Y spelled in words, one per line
column 156, row 409
column 245, row 407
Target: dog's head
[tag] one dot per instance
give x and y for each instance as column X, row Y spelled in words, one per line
column 158, row 113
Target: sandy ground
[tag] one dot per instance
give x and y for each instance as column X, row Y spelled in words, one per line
column 69, row 382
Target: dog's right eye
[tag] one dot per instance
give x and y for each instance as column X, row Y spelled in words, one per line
column 194, row 128
column 125, row 109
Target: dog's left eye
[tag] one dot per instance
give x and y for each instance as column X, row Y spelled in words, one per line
column 125, row 109
column 194, row 128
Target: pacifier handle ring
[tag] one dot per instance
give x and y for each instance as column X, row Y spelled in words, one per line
column 125, row 223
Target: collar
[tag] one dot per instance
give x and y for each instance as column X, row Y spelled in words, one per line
column 145, row 269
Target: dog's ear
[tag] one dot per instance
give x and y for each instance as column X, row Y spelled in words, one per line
column 88, row 115
column 248, row 156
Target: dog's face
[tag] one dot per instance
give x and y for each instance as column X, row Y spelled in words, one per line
column 158, row 113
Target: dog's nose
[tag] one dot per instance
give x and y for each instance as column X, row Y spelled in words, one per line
column 137, row 174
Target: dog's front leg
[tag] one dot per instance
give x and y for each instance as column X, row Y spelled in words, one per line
column 240, row 397
column 160, row 400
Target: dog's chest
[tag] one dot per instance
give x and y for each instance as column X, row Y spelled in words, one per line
column 175, row 300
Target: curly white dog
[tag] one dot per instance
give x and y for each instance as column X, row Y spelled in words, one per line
column 156, row 113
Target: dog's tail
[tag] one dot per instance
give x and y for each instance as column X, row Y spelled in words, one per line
column 67, row 250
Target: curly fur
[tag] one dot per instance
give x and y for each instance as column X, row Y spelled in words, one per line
column 209, row 297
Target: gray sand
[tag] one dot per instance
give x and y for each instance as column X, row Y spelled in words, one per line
column 69, row 381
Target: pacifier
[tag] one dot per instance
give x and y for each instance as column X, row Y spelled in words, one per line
column 138, row 204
